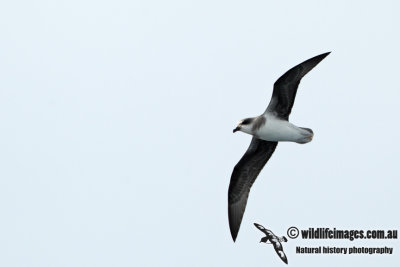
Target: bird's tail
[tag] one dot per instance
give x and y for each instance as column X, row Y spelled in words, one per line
column 306, row 135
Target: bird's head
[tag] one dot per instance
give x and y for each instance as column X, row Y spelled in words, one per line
column 264, row 239
column 244, row 126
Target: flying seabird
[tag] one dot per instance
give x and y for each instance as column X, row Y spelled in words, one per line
column 274, row 240
column 268, row 129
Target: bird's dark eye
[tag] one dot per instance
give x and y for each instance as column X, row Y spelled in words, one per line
column 247, row 121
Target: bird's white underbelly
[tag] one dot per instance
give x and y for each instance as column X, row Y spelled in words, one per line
column 279, row 130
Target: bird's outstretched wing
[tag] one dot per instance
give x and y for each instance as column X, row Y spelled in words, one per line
column 285, row 88
column 261, row 228
column 243, row 176
column 279, row 250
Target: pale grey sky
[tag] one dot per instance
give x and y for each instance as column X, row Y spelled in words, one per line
column 116, row 120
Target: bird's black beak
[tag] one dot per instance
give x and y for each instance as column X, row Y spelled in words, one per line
column 236, row 129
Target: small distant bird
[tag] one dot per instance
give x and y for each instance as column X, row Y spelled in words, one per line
column 267, row 130
column 274, row 240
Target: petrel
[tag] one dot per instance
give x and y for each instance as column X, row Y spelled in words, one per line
column 268, row 129
column 274, row 240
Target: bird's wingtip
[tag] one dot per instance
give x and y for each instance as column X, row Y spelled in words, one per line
column 326, row 54
column 233, row 236
column 234, row 231
column 319, row 58
column 234, row 223
column 284, row 259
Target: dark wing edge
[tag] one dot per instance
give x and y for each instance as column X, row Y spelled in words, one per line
column 279, row 250
column 243, row 176
column 285, row 88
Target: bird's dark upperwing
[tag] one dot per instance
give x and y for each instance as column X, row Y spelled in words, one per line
column 243, row 176
column 285, row 88
column 279, row 250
